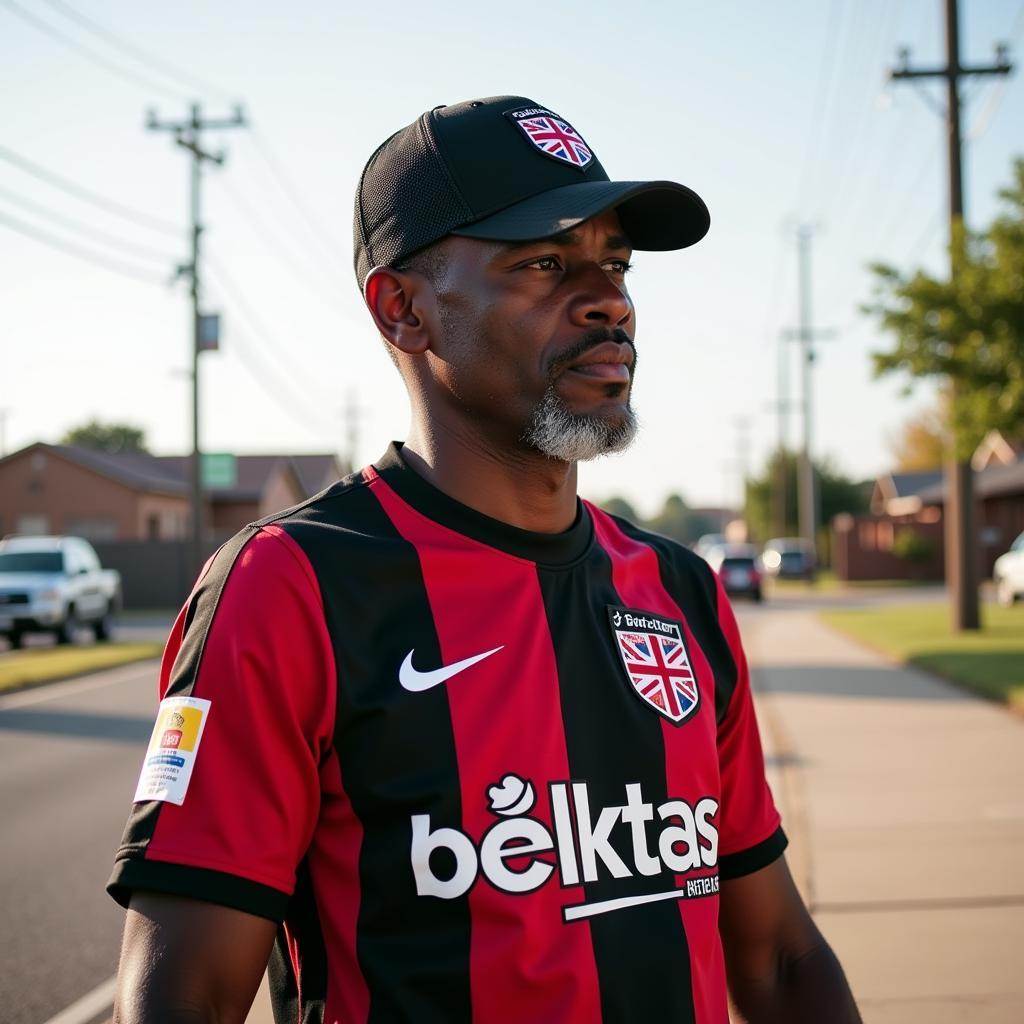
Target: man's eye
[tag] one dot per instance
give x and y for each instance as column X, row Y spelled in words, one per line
column 546, row 263
column 619, row 266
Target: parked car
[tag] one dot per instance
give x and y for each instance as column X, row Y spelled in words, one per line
column 789, row 558
column 736, row 565
column 1008, row 573
column 707, row 542
column 55, row 585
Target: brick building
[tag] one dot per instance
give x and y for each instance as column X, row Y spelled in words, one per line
column 134, row 507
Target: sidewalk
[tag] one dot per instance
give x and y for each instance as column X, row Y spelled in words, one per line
column 904, row 802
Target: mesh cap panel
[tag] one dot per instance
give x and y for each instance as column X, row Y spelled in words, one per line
column 406, row 200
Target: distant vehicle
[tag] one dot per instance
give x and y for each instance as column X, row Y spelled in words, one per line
column 55, row 585
column 736, row 565
column 708, row 541
column 789, row 558
column 1008, row 573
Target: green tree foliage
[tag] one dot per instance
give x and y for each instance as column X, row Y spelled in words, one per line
column 969, row 329
column 676, row 519
column 836, row 493
column 920, row 443
column 620, row 507
column 107, row 437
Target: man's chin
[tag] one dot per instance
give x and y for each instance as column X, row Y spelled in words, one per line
column 572, row 435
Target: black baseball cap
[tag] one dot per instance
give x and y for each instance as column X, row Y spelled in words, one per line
column 507, row 169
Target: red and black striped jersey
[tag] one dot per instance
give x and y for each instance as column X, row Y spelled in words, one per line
column 475, row 773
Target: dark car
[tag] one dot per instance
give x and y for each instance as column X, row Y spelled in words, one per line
column 736, row 565
column 788, row 558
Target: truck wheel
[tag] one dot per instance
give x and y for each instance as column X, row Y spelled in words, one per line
column 15, row 638
column 65, row 632
column 103, row 627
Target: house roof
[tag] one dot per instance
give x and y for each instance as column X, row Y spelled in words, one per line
column 901, row 485
column 990, row 482
column 168, row 474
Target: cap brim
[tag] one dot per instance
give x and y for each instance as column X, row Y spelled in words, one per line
column 656, row 215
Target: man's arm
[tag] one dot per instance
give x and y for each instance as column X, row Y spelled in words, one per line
column 779, row 965
column 184, row 961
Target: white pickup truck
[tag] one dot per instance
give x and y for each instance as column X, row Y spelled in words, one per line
column 55, row 585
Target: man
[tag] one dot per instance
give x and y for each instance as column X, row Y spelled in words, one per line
column 471, row 749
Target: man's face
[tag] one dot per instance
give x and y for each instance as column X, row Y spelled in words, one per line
column 536, row 341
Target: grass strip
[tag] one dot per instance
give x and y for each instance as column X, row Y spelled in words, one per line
column 989, row 661
column 44, row 665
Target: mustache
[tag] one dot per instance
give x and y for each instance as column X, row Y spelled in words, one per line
column 584, row 343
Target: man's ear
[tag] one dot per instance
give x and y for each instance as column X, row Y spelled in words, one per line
column 401, row 303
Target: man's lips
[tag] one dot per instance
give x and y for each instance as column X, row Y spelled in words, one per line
column 608, row 362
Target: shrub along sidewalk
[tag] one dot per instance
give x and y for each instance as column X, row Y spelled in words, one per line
column 46, row 664
column 989, row 661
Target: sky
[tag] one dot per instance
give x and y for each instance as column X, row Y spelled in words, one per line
column 779, row 115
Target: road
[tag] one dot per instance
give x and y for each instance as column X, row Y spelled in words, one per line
column 70, row 755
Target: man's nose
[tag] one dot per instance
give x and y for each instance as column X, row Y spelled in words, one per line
column 599, row 299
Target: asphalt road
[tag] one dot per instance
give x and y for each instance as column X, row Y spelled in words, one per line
column 69, row 758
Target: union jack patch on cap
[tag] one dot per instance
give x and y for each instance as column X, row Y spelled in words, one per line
column 552, row 135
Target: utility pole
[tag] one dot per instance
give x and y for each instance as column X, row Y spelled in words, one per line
column 961, row 572
column 187, row 134
column 743, row 425
column 805, row 334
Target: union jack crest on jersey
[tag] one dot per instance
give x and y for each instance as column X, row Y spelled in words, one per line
column 553, row 136
column 657, row 666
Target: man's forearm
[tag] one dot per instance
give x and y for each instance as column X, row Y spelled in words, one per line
column 805, row 989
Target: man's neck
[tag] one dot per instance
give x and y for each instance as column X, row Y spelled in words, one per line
column 524, row 489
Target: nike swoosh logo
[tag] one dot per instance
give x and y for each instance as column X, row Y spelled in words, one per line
column 416, row 681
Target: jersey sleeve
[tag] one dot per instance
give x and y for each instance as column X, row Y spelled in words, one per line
column 244, row 729
column 751, row 835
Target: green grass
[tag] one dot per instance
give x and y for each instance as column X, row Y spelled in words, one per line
column 43, row 665
column 989, row 661
column 827, row 583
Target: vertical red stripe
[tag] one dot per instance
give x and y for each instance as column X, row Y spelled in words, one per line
column 525, row 963
column 637, row 579
column 334, row 868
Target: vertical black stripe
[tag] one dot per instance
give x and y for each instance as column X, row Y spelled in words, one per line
column 143, row 817
column 397, row 756
column 641, row 952
column 690, row 583
column 303, row 921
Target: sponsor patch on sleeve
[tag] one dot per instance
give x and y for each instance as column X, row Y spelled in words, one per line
column 172, row 749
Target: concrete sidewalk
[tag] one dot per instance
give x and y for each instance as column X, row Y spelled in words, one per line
column 904, row 802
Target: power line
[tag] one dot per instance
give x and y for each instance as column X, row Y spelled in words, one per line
column 330, row 244
column 132, row 50
column 258, row 327
column 86, row 229
column 79, row 192
column 279, row 246
column 816, row 113
column 81, row 252
column 125, row 73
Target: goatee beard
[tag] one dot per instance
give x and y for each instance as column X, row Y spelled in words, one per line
column 572, row 437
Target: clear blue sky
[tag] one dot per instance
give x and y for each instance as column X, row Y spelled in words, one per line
column 775, row 113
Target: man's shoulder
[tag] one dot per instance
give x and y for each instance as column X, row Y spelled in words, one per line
column 671, row 552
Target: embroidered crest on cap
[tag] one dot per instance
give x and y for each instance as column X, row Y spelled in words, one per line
column 552, row 135
column 653, row 653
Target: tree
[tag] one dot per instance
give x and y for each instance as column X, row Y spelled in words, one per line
column 617, row 506
column 836, row 493
column 920, row 444
column 678, row 521
column 970, row 329
column 107, row 437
